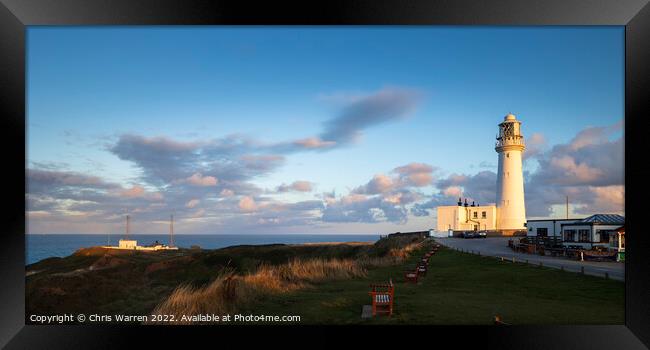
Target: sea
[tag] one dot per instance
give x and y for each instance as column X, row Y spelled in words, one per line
column 42, row 246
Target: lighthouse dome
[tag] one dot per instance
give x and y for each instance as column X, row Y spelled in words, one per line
column 510, row 116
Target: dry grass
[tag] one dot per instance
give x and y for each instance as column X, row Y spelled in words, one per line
column 229, row 290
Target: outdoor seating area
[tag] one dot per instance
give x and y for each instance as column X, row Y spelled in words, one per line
column 575, row 252
column 421, row 268
column 383, row 294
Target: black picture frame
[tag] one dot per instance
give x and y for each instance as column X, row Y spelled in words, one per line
column 15, row 15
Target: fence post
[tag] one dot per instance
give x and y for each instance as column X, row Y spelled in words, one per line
column 513, row 259
column 501, row 258
column 582, row 270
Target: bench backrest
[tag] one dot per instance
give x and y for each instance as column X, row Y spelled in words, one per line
column 386, row 288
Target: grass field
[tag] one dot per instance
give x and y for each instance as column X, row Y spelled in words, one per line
column 324, row 284
column 460, row 288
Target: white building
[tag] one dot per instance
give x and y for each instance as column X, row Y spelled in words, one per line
column 127, row 244
column 547, row 227
column 508, row 216
column 511, row 208
column 595, row 230
column 131, row 244
column 466, row 217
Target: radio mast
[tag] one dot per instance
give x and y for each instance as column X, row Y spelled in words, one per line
column 171, row 230
column 128, row 226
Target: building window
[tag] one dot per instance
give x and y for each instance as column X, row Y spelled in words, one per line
column 475, row 214
column 604, row 235
column 569, row 235
column 542, row 232
column 583, row 236
column 484, row 215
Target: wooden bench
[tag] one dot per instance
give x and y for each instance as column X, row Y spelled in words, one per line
column 411, row 276
column 422, row 269
column 382, row 298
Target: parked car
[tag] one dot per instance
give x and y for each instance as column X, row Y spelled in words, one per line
column 470, row 234
column 482, row 234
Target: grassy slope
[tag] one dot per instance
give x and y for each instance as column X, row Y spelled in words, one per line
column 130, row 288
column 462, row 289
column 459, row 289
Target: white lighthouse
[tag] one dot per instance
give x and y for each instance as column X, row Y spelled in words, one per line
column 511, row 209
column 508, row 215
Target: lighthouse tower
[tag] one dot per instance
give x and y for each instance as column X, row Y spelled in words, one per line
column 511, row 209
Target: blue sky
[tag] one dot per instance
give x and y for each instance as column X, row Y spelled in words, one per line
column 90, row 86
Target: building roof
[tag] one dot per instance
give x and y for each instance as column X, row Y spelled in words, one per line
column 599, row 219
column 609, row 219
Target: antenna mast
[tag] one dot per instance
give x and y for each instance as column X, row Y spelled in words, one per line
column 171, row 230
column 567, row 207
column 128, row 226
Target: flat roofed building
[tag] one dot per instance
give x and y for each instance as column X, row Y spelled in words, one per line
column 547, row 227
column 128, row 244
column 467, row 218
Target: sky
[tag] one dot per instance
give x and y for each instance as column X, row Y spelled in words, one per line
column 314, row 129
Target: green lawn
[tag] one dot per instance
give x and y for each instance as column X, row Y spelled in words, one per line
column 460, row 288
